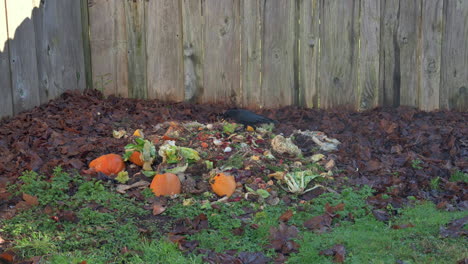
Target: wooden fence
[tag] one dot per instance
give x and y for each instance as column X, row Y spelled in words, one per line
column 41, row 52
column 354, row 54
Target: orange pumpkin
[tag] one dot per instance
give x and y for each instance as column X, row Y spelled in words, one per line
column 136, row 158
column 166, row 184
column 223, row 184
column 108, row 164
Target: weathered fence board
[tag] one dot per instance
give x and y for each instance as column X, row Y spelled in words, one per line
column 407, row 41
column 454, row 76
column 389, row 92
column 109, row 47
column 339, row 53
column 368, row 81
column 59, row 54
column 252, row 14
column 6, row 98
column 86, row 43
column 222, row 51
column 193, row 48
column 308, row 52
column 431, row 53
column 278, row 52
column 165, row 72
column 136, row 42
column 23, row 61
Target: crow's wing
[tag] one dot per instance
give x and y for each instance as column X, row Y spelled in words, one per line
column 249, row 118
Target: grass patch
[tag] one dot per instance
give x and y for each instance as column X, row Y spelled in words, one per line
column 459, row 176
column 97, row 225
column 370, row 241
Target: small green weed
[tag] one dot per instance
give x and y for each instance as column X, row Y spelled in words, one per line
column 435, row 182
column 416, row 164
column 459, row 176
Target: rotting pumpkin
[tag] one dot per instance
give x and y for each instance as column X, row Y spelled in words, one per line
column 166, row 184
column 223, row 184
column 135, row 158
column 108, row 164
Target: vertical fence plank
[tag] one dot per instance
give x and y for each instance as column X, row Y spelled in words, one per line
column 455, row 56
column 339, row 53
column 308, row 52
column 369, row 54
column 59, row 48
column 251, row 20
column 278, row 51
column 86, row 43
column 136, row 42
column 193, row 48
column 432, row 22
column 165, row 79
column 389, row 54
column 6, row 105
column 109, row 47
column 407, row 39
column 23, row 61
column 221, row 52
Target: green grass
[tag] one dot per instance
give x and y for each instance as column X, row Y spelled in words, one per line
column 459, row 176
column 106, row 227
column 370, row 241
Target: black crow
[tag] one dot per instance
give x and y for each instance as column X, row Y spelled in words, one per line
column 247, row 118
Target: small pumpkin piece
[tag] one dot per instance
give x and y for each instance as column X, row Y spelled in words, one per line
column 135, row 158
column 109, row 164
column 223, row 185
column 166, row 184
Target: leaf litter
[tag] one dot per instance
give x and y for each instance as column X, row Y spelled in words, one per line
column 399, row 152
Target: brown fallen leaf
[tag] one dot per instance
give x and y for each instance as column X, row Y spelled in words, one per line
column 30, row 199
column 332, row 209
column 286, row 216
column 122, row 188
column 455, row 228
column 7, row 257
column 338, row 251
column 158, row 209
column 330, row 165
column 321, row 223
column 402, row 226
column 281, row 238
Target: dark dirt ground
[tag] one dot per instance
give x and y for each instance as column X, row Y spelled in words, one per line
column 379, row 147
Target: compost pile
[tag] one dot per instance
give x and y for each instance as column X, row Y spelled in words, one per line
column 399, row 152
